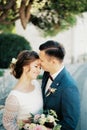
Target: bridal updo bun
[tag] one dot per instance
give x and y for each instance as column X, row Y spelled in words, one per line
column 24, row 58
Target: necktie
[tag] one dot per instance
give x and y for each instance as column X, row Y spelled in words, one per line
column 51, row 77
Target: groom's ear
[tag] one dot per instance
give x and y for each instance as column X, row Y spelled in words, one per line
column 53, row 60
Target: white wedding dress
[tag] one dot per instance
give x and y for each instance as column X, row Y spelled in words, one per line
column 18, row 106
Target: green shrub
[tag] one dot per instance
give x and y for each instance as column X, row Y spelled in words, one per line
column 39, row 76
column 10, row 46
column 1, row 73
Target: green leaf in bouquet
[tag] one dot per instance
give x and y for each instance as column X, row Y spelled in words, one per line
column 52, row 112
column 57, row 127
column 20, row 124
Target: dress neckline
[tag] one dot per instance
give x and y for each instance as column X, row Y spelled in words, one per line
column 14, row 90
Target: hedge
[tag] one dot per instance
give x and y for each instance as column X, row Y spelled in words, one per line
column 10, row 46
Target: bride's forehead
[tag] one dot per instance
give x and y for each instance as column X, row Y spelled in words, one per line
column 36, row 62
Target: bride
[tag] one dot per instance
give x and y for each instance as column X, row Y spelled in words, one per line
column 26, row 97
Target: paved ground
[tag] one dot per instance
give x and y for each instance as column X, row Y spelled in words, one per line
column 79, row 72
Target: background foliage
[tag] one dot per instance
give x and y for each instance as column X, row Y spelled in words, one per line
column 10, row 46
column 7, row 28
column 48, row 15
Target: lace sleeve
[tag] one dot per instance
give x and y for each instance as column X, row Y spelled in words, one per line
column 10, row 113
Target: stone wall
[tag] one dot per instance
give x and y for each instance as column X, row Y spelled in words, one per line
column 6, row 84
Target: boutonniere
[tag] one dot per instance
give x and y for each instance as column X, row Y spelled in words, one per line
column 51, row 91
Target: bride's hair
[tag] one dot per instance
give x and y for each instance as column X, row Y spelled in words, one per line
column 24, row 58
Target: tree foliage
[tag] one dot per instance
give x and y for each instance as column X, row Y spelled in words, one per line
column 10, row 46
column 46, row 14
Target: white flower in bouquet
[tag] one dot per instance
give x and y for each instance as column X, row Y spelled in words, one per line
column 42, row 120
column 31, row 126
column 26, row 126
column 50, row 118
column 42, row 115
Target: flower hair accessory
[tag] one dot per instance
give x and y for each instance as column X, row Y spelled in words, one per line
column 14, row 60
column 51, row 90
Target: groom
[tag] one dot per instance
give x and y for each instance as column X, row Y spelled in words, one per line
column 59, row 89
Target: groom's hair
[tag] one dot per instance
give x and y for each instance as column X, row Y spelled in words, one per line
column 53, row 48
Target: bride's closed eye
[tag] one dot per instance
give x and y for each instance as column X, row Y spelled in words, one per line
column 37, row 66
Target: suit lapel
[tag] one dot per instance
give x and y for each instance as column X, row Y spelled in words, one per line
column 58, row 78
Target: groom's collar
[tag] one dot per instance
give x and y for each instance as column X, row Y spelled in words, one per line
column 55, row 74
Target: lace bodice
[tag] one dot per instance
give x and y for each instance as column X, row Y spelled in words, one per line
column 18, row 105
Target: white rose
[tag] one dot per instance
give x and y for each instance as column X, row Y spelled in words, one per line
column 42, row 115
column 14, row 61
column 50, row 118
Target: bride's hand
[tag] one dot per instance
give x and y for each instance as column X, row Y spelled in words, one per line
column 25, row 121
column 49, row 129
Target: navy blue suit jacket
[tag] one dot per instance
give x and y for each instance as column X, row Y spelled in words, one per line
column 65, row 100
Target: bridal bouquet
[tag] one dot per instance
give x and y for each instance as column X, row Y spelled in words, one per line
column 46, row 121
